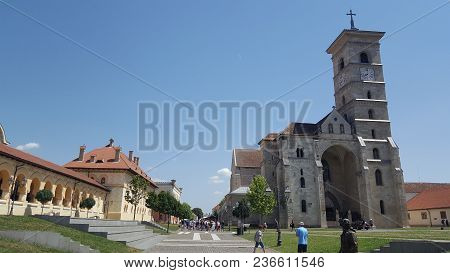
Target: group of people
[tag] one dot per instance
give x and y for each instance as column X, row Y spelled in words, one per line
column 202, row 225
column 349, row 240
column 444, row 223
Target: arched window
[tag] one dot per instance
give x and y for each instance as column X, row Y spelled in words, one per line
column 374, row 136
column 369, row 95
column 382, row 211
column 378, row 178
column 346, row 117
column 301, row 171
column 376, row 154
column 370, row 114
column 342, row 128
column 341, row 64
column 302, row 183
column 298, row 152
column 303, row 205
column 364, row 58
column 343, row 100
column 103, row 181
column 330, row 128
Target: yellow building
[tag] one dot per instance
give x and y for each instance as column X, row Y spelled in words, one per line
column 429, row 207
column 22, row 175
column 114, row 170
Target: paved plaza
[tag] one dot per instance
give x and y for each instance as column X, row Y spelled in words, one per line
column 203, row 242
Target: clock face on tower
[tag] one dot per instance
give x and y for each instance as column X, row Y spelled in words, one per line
column 367, row 74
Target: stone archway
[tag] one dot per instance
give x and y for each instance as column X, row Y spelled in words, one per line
column 4, row 184
column 341, row 183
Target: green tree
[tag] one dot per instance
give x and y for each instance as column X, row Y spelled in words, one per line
column 242, row 210
column 137, row 191
column 88, row 204
column 163, row 203
column 151, row 201
column 185, row 212
column 44, row 196
column 261, row 202
column 198, row 212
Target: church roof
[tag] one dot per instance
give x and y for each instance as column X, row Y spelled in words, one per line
column 436, row 198
column 47, row 165
column 247, row 158
column 104, row 160
column 414, row 187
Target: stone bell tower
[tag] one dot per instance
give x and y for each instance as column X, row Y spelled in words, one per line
column 360, row 97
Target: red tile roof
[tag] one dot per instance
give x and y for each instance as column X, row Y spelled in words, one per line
column 431, row 199
column 47, row 165
column 414, row 187
column 248, row 158
column 104, row 160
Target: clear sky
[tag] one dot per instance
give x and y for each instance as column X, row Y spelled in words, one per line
column 59, row 96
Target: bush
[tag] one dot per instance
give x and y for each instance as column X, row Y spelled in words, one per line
column 44, row 196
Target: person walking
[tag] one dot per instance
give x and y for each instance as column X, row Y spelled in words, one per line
column 292, row 225
column 259, row 240
column 302, row 235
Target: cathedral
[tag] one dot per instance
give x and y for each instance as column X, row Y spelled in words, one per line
column 347, row 165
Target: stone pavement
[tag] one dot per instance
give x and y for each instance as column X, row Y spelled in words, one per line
column 203, row 242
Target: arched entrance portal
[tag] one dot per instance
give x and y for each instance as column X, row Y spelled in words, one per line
column 340, row 184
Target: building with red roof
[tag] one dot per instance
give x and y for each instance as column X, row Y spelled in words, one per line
column 430, row 207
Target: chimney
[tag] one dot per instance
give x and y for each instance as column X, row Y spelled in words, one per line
column 137, row 161
column 111, row 142
column 130, row 155
column 117, row 155
column 134, row 159
column 92, row 159
column 82, row 150
column 173, row 181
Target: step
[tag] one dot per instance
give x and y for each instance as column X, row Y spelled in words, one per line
column 147, row 243
column 130, row 237
column 104, row 223
column 113, row 230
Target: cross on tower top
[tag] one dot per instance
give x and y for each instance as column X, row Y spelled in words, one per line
column 352, row 23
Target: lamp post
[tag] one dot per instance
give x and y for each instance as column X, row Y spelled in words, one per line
column 287, row 192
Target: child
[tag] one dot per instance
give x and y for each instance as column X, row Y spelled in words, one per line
column 258, row 239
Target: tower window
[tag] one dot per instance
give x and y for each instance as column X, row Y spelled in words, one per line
column 302, row 183
column 369, row 95
column 376, row 154
column 374, row 136
column 303, row 205
column 300, row 152
column 301, row 171
column 364, row 58
column 382, row 211
column 370, row 114
column 346, row 117
column 342, row 128
column 341, row 64
column 330, row 128
column 343, row 100
column 378, row 178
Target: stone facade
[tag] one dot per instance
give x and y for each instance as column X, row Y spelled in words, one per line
column 347, row 164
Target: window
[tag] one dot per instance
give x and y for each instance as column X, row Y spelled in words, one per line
column 409, row 216
column 303, row 205
column 374, row 136
column 301, row 171
column 376, row 154
column 342, row 128
column 346, row 117
column 378, row 178
column 424, row 215
column 369, row 95
column 302, row 183
column 370, row 114
column 330, row 128
column 343, row 100
column 103, row 181
column 443, row 215
column 382, row 207
column 364, row 58
column 298, row 152
column 341, row 64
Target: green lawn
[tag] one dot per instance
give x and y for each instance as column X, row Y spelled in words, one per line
column 11, row 246
column 328, row 240
column 31, row 223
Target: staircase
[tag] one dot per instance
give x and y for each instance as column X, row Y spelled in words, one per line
column 130, row 233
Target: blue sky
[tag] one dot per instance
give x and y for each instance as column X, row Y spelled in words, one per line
column 59, row 96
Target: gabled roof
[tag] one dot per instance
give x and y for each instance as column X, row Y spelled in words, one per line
column 104, row 160
column 306, row 129
column 247, row 158
column 414, row 187
column 47, row 165
column 436, row 198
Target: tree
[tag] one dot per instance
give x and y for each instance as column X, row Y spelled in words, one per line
column 198, row 212
column 44, row 196
column 185, row 212
column 88, row 204
column 261, row 202
column 163, row 203
column 137, row 191
column 242, row 210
